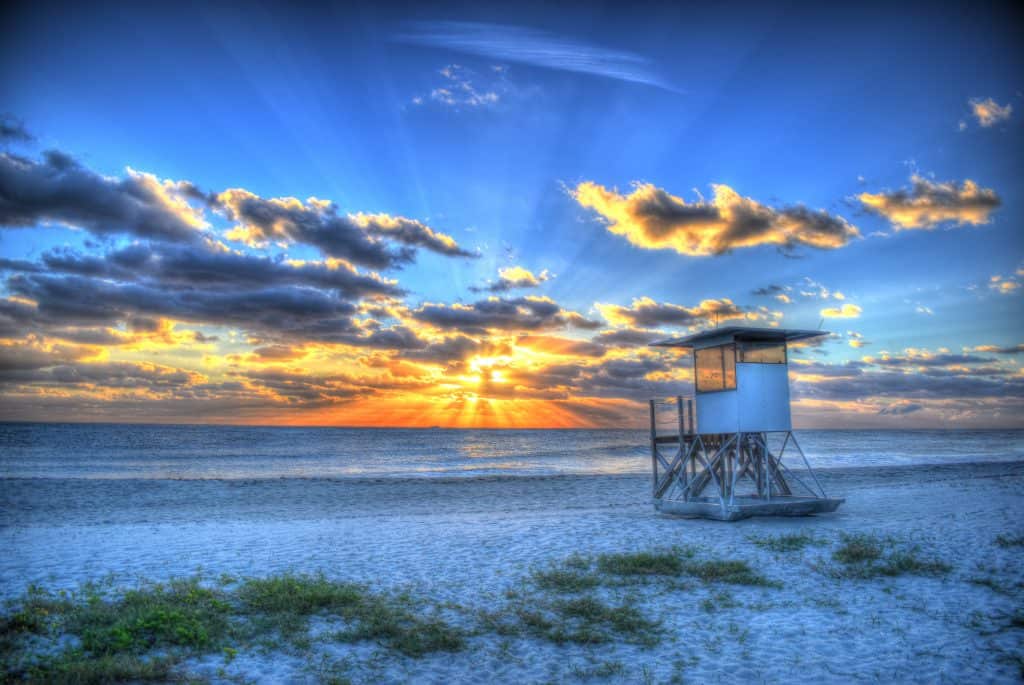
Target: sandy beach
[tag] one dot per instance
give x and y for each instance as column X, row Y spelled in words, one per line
column 468, row 543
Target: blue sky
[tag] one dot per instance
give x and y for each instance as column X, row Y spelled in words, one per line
column 482, row 123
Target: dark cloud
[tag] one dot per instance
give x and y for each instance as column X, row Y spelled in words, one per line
column 287, row 310
column 358, row 238
column 518, row 314
column 646, row 313
column 772, row 289
column 628, row 337
column 201, row 267
column 58, row 189
column 12, row 129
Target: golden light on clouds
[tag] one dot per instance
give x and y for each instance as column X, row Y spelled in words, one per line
column 652, row 218
column 926, row 204
column 846, row 311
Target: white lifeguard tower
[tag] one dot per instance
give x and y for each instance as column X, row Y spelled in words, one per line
column 729, row 465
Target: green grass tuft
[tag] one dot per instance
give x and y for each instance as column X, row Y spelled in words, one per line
column 1007, row 541
column 787, row 542
column 565, row 580
column 733, row 571
column 641, row 564
column 866, row 556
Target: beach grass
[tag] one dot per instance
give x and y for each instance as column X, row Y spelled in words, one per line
column 1008, row 541
column 864, row 556
column 786, row 542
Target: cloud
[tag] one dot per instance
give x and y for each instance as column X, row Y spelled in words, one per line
column 208, row 265
column 988, row 112
column 996, row 349
column 921, row 309
column 519, row 314
column 926, row 204
column 653, row 219
column 900, row 408
column 459, row 90
column 289, row 311
column 561, row 346
column 353, row 237
column 628, row 337
column 12, row 129
column 846, row 311
column 857, row 340
column 513, row 277
column 1004, row 286
column 772, row 289
column 538, row 48
column 646, row 313
column 57, row 189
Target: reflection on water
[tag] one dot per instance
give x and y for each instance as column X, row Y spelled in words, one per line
column 233, row 452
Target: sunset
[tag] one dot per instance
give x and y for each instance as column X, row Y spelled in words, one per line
column 492, row 248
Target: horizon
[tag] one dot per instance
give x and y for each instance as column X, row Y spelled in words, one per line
column 418, row 217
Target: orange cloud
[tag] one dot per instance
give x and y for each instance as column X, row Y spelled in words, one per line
column 653, row 219
column 927, row 204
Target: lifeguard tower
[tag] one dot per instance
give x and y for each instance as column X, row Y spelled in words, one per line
column 729, row 465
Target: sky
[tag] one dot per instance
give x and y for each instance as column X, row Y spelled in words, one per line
column 432, row 214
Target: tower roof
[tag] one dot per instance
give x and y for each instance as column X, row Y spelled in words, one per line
column 727, row 334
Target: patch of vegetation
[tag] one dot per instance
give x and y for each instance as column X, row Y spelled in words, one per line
column 1007, row 541
column 588, row 620
column 718, row 600
column 733, row 571
column 654, row 563
column 605, row 669
column 181, row 613
column 395, row 623
column 867, row 556
column 289, row 600
column 79, row 668
column 565, row 580
column 786, row 542
column 579, row 620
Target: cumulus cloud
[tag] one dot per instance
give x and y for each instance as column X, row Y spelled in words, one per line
column 285, row 310
column 988, row 112
column 627, row 337
column 207, row 265
column 57, row 189
column 644, row 312
column 927, row 204
column 651, row 218
column 523, row 313
column 846, row 311
column 357, row 238
column 513, row 277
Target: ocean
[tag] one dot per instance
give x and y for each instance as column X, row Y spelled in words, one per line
column 187, row 452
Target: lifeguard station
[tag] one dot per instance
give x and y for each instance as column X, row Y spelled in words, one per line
column 729, row 465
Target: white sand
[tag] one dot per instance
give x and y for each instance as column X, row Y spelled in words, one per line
column 470, row 541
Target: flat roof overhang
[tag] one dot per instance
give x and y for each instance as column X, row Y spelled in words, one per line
column 725, row 334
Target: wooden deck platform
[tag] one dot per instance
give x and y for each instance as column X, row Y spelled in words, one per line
column 744, row 507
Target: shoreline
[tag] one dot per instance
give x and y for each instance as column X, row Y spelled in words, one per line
column 878, row 470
